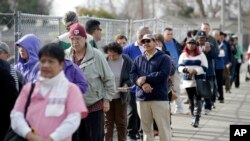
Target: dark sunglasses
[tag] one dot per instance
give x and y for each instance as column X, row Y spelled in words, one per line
column 145, row 41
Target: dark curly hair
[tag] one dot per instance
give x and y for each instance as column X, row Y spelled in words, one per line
column 114, row 47
column 52, row 50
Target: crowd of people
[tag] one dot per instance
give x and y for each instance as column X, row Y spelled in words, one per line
column 83, row 91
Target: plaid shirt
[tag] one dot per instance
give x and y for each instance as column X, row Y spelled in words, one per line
column 96, row 107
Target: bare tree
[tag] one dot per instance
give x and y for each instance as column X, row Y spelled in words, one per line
column 201, row 7
column 213, row 7
column 179, row 3
column 112, row 7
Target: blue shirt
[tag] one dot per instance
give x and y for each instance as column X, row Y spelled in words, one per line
column 170, row 46
column 133, row 51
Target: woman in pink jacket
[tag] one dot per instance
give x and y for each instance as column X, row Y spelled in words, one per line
column 56, row 105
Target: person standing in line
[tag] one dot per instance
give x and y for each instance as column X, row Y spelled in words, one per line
column 134, row 50
column 28, row 48
column 232, row 68
column 193, row 64
column 175, row 50
column 100, row 80
column 228, row 61
column 205, row 27
column 239, row 60
column 8, row 96
column 69, row 19
column 120, row 65
column 121, row 39
column 94, row 30
column 150, row 72
column 211, row 53
column 59, row 101
column 171, row 90
column 5, row 55
column 219, row 66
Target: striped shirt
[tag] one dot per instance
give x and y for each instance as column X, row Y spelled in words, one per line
column 14, row 75
column 199, row 63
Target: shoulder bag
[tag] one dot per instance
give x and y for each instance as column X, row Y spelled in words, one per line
column 11, row 135
column 203, row 88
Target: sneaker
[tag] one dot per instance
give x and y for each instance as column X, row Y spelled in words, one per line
column 207, row 111
column 132, row 138
column 213, row 106
column 221, row 101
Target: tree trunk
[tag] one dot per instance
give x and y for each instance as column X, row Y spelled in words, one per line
column 201, row 6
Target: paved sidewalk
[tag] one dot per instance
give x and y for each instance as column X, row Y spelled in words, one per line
column 216, row 125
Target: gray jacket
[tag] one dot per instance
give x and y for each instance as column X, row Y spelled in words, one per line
column 100, row 78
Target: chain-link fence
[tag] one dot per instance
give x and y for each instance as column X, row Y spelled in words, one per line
column 7, row 29
column 47, row 28
column 110, row 27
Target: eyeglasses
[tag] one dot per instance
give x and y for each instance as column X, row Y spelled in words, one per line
column 145, row 41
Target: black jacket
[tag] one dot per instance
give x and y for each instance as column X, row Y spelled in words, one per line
column 8, row 95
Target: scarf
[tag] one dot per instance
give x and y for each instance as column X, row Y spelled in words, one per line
column 57, row 88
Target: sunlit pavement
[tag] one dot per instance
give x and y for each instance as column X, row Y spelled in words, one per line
column 216, row 125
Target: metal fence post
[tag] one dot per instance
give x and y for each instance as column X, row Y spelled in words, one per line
column 130, row 30
column 59, row 26
column 17, row 33
column 155, row 24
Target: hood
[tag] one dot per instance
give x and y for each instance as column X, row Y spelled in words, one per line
column 32, row 44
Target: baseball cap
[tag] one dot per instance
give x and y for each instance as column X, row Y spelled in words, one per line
column 77, row 30
column 201, row 34
column 234, row 36
column 4, row 47
column 148, row 37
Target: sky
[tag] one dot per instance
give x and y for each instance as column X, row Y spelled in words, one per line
column 60, row 7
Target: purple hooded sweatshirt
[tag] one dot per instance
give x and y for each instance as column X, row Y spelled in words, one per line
column 30, row 68
column 75, row 75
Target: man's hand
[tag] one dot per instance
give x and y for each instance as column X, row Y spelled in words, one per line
column 147, row 88
column 106, row 105
column 206, row 48
column 229, row 65
column 141, row 80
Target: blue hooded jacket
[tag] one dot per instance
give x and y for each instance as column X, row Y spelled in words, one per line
column 30, row 68
column 156, row 70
